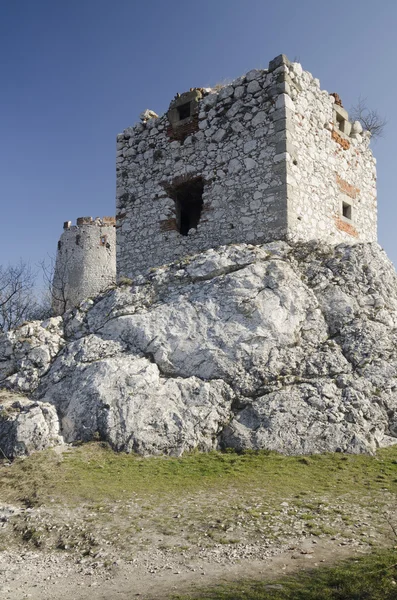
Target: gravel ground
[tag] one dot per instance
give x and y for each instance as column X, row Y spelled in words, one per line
column 155, row 550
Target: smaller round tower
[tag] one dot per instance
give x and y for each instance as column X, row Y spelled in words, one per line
column 85, row 262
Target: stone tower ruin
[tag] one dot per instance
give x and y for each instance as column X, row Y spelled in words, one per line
column 269, row 156
column 85, row 263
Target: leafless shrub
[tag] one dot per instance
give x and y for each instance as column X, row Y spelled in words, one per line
column 55, row 276
column 18, row 302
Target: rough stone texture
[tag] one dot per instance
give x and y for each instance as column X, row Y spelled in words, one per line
column 26, row 426
column 232, row 149
column 85, row 262
column 287, row 347
column 30, row 349
column 326, row 167
column 272, row 149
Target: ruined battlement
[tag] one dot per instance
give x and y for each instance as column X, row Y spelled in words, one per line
column 269, row 156
column 98, row 222
column 86, row 261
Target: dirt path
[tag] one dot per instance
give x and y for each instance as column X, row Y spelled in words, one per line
column 150, row 542
column 51, row 577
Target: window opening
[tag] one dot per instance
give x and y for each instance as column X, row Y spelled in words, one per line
column 188, row 198
column 347, row 210
column 184, row 111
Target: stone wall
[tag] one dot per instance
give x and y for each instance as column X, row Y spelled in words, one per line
column 331, row 173
column 269, row 156
column 230, row 141
column 85, row 262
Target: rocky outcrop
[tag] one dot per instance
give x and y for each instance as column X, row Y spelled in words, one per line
column 285, row 347
column 26, row 426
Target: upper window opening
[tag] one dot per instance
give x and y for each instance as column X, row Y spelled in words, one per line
column 188, row 197
column 347, row 210
column 184, row 111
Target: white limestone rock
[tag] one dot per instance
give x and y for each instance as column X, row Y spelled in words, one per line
column 26, row 426
column 357, row 127
column 148, row 114
column 302, row 419
column 130, row 404
column 286, row 347
column 29, row 350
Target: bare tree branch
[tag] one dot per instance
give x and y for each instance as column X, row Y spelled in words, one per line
column 55, row 275
column 18, row 302
column 370, row 120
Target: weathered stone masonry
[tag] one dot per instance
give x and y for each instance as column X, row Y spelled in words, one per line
column 270, row 156
column 331, row 174
column 85, row 263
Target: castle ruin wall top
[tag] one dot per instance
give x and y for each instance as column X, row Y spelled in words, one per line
column 85, row 262
column 98, row 222
column 269, row 156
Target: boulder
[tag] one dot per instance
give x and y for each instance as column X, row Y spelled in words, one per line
column 26, row 425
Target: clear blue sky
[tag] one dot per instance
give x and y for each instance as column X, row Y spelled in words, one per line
column 74, row 73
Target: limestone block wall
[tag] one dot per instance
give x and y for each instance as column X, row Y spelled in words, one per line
column 269, row 156
column 223, row 141
column 331, row 173
column 85, row 262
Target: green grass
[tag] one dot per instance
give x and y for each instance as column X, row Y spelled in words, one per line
column 371, row 577
column 94, row 473
column 94, row 497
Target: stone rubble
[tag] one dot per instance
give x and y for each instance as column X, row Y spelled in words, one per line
column 285, row 347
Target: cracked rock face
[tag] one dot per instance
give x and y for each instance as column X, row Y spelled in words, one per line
column 26, row 426
column 290, row 348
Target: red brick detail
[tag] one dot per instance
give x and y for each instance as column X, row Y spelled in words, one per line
column 109, row 220
column 83, row 221
column 98, row 221
column 346, row 227
column 168, row 225
column 340, row 140
column 181, row 132
column 338, row 100
column 346, row 188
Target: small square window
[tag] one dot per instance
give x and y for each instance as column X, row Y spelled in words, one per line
column 184, row 111
column 347, row 210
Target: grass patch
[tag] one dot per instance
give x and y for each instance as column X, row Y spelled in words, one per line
column 371, row 577
column 93, row 473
